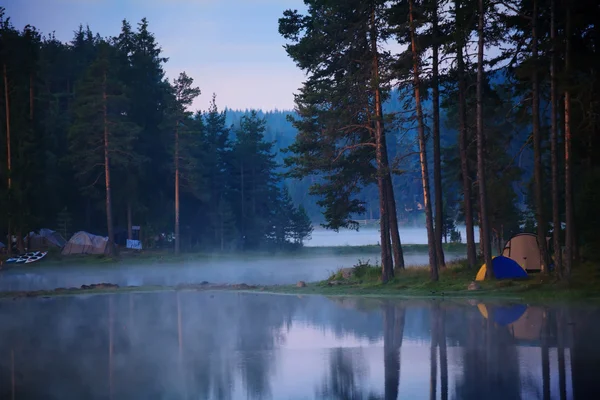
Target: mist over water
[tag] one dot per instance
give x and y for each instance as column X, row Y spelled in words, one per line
column 254, row 271
column 228, row 345
column 250, row 269
column 369, row 236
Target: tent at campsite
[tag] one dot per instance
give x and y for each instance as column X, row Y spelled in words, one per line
column 85, row 243
column 504, row 268
column 524, row 249
column 46, row 239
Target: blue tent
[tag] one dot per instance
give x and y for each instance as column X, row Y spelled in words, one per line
column 504, row 268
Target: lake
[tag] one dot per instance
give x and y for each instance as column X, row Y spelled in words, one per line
column 233, row 345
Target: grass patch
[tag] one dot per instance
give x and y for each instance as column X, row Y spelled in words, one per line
column 453, row 282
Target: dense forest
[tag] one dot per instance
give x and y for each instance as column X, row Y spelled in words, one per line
column 414, row 112
column 513, row 84
column 96, row 138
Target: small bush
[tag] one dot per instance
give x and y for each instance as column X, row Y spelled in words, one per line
column 364, row 270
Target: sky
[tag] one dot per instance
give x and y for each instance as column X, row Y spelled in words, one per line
column 229, row 47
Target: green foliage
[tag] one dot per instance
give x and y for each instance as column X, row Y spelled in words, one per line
column 335, row 106
column 301, row 226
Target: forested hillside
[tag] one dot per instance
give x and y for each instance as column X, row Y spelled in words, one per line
column 95, row 138
column 404, row 148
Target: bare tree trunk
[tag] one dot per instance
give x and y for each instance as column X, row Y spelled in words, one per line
column 569, row 234
column 554, row 146
column 394, row 231
column 129, row 222
column 481, row 174
column 437, row 158
column 177, row 227
column 464, row 165
column 537, row 146
column 423, row 152
column 109, row 222
column 8, row 164
column 387, row 267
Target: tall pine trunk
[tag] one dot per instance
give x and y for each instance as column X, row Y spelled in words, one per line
column 569, row 219
column 433, row 266
column 537, row 146
column 437, row 158
column 387, row 267
column 481, row 173
column 463, row 145
column 177, row 238
column 394, row 231
column 8, row 164
column 129, row 221
column 109, row 222
column 554, row 145
column 397, row 252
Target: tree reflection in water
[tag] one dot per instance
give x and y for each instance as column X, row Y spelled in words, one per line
column 226, row 345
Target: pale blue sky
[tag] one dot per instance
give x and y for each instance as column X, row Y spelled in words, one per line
column 229, row 47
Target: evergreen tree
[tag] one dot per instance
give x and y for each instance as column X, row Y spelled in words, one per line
column 217, row 145
column 341, row 129
column 184, row 94
column 101, row 133
column 301, row 226
column 253, row 181
column 283, row 219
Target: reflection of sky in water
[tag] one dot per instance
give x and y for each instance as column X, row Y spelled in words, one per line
column 278, row 347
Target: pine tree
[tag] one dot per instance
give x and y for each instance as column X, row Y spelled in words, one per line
column 341, row 124
column 431, row 240
column 184, row 94
column 149, row 94
column 101, row 134
column 481, row 170
column 255, row 183
column 218, row 150
column 301, row 226
column 282, row 223
column 461, row 35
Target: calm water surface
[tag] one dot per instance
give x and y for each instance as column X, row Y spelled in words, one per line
column 228, row 345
